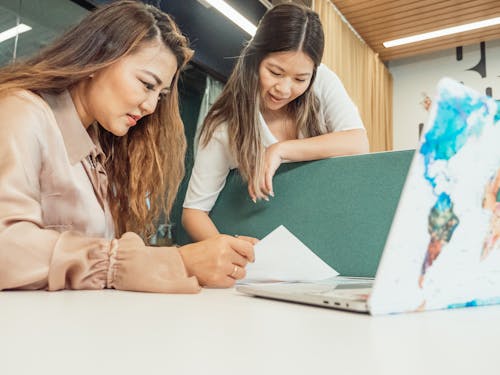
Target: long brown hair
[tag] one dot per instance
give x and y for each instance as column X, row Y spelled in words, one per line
column 145, row 166
column 286, row 27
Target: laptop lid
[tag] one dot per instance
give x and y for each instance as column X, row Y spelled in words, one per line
column 443, row 249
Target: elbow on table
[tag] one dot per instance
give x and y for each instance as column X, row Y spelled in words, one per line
column 359, row 143
column 364, row 144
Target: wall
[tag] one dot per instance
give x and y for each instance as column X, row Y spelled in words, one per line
column 415, row 78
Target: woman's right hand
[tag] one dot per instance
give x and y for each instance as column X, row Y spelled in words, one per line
column 218, row 261
column 252, row 240
column 272, row 161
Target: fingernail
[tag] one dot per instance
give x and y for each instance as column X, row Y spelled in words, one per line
column 271, row 194
column 266, row 199
column 254, row 200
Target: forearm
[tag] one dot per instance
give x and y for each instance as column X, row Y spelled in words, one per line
column 198, row 224
column 34, row 258
column 348, row 142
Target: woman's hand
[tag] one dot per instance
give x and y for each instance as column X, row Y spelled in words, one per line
column 272, row 161
column 218, row 261
column 252, row 240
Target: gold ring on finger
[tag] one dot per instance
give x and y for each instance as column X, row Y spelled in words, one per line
column 235, row 272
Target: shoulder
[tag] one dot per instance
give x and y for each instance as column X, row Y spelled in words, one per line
column 324, row 71
column 220, row 135
column 326, row 80
column 21, row 109
column 337, row 108
column 28, row 124
column 217, row 151
column 24, row 102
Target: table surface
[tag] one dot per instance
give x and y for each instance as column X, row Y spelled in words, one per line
column 221, row 331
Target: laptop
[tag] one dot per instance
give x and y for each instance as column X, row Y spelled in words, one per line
column 443, row 248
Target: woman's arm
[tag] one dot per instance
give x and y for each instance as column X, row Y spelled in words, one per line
column 32, row 256
column 208, row 177
column 347, row 142
column 198, row 224
column 211, row 168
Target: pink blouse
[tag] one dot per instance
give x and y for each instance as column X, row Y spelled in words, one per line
column 56, row 230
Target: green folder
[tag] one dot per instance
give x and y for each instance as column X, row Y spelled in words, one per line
column 341, row 208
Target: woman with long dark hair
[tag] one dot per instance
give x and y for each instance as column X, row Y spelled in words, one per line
column 279, row 104
column 92, row 150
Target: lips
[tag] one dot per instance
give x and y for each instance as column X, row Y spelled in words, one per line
column 132, row 119
column 275, row 99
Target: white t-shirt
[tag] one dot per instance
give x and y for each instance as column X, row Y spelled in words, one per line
column 214, row 161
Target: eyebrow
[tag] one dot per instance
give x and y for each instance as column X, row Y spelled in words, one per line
column 157, row 79
column 159, row 82
column 280, row 68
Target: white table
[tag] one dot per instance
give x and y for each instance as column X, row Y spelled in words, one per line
column 224, row 332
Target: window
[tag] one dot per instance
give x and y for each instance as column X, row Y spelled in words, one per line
column 46, row 18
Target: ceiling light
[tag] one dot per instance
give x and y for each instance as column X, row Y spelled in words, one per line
column 12, row 32
column 442, row 32
column 233, row 15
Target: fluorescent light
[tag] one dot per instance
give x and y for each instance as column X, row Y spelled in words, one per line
column 12, row 32
column 233, row 15
column 442, row 32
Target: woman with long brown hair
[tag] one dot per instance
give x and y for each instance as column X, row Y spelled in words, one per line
column 279, row 104
column 91, row 151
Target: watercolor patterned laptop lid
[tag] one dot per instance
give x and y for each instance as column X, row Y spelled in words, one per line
column 443, row 250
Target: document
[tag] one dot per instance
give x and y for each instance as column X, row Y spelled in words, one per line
column 280, row 256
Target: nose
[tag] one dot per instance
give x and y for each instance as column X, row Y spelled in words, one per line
column 148, row 106
column 284, row 87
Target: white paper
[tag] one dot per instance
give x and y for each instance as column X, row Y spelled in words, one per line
column 280, row 256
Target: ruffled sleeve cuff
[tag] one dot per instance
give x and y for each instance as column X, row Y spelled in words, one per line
column 136, row 267
column 79, row 262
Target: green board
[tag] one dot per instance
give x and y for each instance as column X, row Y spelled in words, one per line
column 341, row 208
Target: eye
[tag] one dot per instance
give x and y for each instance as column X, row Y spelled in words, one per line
column 300, row 80
column 163, row 94
column 147, row 85
column 276, row 74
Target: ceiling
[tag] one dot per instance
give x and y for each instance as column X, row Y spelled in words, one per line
column 218, row 42
column 377, row 21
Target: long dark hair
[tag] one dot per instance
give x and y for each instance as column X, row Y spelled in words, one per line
column 286, row 27
column 149, row 161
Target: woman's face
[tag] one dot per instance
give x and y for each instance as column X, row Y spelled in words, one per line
column 119, row 95
column 284, row 76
